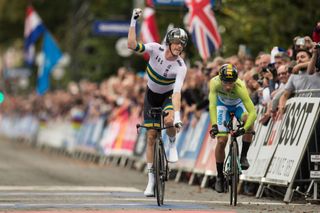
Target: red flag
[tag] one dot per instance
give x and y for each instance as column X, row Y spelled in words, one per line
column 149, row 3
column 149, row 30
column 203, row 27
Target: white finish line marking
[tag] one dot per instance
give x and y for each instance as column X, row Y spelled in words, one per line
column 70, row 188
column 212, row 202
column 27, row 205
column 97, row 191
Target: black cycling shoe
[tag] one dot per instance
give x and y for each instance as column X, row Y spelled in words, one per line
column 219, row 185
column 244, row 163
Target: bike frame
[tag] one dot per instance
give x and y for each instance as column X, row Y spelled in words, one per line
column 232, row 168
column 160, row 162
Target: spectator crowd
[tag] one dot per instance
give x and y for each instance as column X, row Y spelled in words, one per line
column 271, row 78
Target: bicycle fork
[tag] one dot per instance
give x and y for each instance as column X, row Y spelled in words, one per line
column 227, row 170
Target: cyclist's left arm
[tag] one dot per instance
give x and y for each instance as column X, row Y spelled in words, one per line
column 252, row 114
column 176, row 96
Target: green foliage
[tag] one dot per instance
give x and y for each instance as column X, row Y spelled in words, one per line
column 259, row 25
column 264, row 24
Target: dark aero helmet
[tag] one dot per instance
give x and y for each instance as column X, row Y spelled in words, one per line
column 228, row 73
column 177, row 34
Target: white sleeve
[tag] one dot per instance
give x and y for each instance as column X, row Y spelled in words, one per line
column 181, row 74
column 149, row 47
column 290, row 84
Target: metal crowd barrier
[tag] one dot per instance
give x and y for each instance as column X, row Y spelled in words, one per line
column 307, row 93
column 196, row 148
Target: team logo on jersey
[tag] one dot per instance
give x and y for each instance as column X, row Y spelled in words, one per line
column 179, row 62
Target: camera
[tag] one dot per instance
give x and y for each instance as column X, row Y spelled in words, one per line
column 300, row 41
column 270, row 68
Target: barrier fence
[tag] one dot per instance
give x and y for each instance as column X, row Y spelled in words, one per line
column 279, row 153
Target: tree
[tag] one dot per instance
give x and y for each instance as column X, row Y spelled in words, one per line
column 259, row 25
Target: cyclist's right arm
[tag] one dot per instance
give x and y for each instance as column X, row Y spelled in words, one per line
column 132, row 41
column 213, row 102
column 132, row 38
column 137, row 46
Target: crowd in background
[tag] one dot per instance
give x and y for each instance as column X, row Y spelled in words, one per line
column 270, row 77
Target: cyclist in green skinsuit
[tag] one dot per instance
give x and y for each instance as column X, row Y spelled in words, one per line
column 229, row 94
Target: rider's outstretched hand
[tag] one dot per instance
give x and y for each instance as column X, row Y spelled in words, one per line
column 177, row 121
column 214, row 131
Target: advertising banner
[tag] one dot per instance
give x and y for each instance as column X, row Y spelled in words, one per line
column 141, row 143
column 259, row 150
column 193, row 142
column 206, row 161
column 294, row 134
column 120, row 135
column 109, row 136
column 130, row 136
column 97, row 132
column 54, row 134
column 266, row 141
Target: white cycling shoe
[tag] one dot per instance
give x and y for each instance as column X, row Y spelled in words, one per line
column 173, row 153
column 149, row 192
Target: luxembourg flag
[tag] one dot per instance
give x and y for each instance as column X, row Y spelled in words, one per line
column 33, row 29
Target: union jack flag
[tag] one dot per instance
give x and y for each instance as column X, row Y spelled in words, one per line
column 203, row 27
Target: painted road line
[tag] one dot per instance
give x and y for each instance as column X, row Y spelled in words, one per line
column 212, row 202
column 128, row 211
column 69, row 188
column 152, row 200
column 79, row 194
column 100, row 205
column 130, row 196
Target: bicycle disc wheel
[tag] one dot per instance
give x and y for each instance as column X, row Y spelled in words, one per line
column 158, row 167
column 163, row 172
column 235, row 173
column 230, row 179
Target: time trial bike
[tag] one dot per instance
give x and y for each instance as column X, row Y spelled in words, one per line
column 160, row 161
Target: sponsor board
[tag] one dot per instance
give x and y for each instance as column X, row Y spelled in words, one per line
column 294, row 134
column 261, row 149
column 206, row 162
column 193, row 142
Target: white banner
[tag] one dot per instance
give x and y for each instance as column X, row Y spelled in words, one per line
column 294, row 133
column 264, row 146
column 55, row 133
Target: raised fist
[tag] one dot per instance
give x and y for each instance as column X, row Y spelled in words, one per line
column 136, row 13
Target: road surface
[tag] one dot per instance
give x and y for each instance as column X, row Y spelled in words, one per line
column 40, row 181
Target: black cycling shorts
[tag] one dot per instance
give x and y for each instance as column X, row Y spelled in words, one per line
column 153, row 99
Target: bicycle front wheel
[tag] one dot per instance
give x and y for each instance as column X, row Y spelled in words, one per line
column 159, row 166
column 235, row 175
